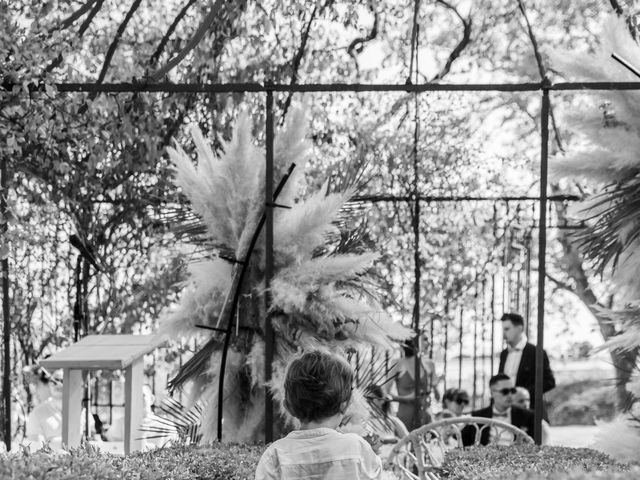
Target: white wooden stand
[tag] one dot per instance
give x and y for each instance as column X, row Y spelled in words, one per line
column 103, row 352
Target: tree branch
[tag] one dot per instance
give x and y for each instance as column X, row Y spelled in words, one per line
column 462, row 44
column 165, row 39
column 85, row 25
column 562, row 285
column 541, row 70
column 70, row 20
column 114, row 43
column 297, row 59
column 197, row 37
column 357, row 44
column 83, row 28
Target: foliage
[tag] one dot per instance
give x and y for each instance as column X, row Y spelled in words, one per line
column 238, row 462
column 580, row 475
column 581, row 403
column 507, row 462
column 215, row 462
column 320, row 290
column 605, row 151
column 91, row 164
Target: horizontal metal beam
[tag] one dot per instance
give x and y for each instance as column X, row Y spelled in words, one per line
column 337, row 87
column 428, row 198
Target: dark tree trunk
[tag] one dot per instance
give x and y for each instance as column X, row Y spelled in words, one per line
column 572, row 265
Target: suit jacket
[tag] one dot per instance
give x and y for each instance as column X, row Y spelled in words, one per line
column 521, row 418
column 526, row 376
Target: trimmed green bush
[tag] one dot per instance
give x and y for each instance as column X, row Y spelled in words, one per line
column 581, row 402
column 216, row 462
column 238, row 462
column 527, row 462
column 631, row 474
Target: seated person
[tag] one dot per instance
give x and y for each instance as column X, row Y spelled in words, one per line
column 501, row 408
column 384, row 427
column 522, row 399
column 393, row 428
column 44, row 423
column 317, row 391
column 454, row 401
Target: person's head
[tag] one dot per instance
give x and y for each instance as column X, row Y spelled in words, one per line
column 522, row 398
column 318, row 386
column 502, row 391
column 44, row 383
column 379, row 398
column 444, row 414
column 409, row 348
column 455, row 400
column 512, row 328
column 148, row 398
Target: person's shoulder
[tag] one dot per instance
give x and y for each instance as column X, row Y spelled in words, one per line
column 273, row 446
column 349, row 437
column 353, row 440
column 522, row 412
column 483, row 412
column 530, row 347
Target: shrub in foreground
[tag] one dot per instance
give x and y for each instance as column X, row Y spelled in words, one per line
column 631, row 474
column 238, row 462
column 215, row 462
column 518, row 461
column 527, row 462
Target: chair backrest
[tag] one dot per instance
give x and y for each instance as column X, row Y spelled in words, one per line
column 419, row 454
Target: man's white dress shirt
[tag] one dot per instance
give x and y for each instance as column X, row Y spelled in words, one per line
column 512, row 363
column 497, row 436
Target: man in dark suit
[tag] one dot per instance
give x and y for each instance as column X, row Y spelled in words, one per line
column 518, row 360
column 501, row 408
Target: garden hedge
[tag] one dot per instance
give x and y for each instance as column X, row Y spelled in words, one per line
column 238, row 462
column 217, row 462
column 530, row 462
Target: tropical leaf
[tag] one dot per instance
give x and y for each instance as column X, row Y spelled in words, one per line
column 173, row 421
column 607, row 151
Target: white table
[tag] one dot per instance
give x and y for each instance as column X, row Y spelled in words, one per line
column 103, row 352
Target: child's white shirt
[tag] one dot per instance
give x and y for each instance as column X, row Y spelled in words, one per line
column 317, row 454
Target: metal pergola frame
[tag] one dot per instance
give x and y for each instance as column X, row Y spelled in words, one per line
column 545, row 87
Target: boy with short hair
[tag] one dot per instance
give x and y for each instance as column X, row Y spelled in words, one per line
column 318, row 388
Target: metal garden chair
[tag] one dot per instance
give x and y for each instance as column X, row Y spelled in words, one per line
column 419, row 455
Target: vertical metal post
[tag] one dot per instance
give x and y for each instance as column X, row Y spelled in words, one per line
column 527, row 288
column 85, row 331
column 446, row 339
column 6, row 331
column 460, row 357
column 542, row 248
column 484, row 342
column 475, row 345
column 493, row 320
column 268, row 270
column 416, row 267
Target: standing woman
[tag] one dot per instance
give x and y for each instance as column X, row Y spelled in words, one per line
column 403, row 373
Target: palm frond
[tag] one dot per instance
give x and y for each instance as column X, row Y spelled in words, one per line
column 616, row 227
column 173, row 421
